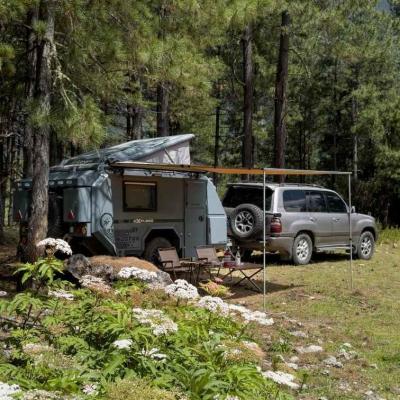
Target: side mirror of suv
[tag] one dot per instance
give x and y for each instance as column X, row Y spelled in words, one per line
column 353, row 210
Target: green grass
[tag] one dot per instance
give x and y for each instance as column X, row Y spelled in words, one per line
column 319, row 296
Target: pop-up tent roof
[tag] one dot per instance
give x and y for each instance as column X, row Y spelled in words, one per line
column 166, row 150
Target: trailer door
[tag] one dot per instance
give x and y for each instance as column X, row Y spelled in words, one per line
column 195, row 216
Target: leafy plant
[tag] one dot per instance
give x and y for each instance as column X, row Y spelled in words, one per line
column 42, row 271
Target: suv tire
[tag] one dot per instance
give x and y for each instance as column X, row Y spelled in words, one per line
column 302, row 249
column 246, row 221
column 366, row 246
column 151, row 250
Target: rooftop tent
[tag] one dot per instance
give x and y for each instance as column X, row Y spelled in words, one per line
column 165, row 150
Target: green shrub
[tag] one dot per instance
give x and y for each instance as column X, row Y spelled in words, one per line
column 136, row 389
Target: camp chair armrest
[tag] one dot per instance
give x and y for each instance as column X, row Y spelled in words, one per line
column 164, row 263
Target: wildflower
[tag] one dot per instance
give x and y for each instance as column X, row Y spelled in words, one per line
column 94, row 283
column 35, row 348
column 182, row 289
column 55, row 245
column 61, row 294
column 90, row 389
column 214, row 304
column 7, row 391
column 123, row 344
column 154, row 354
column 158, row 322
column 137, row 273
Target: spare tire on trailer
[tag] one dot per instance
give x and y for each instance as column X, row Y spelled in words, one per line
column 246, row 221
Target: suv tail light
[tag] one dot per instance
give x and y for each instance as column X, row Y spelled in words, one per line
column 276, row 225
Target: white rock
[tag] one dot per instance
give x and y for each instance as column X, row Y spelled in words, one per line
column 282, row 378
column 3, row 293
column 370, row 395
column 294, row 359
column 331, row 361
column 7, row 392
column 299, row 334
column 293, row 366
column 326, row 372
column 309, row 349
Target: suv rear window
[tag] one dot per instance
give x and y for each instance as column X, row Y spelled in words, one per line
column 294, row 200
column 247, row 195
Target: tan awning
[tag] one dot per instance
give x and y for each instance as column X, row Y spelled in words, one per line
column 221, row 170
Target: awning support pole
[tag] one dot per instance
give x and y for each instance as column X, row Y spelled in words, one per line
column 264, row 261
column 350, row 236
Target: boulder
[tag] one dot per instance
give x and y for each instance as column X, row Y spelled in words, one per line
column 108, row 268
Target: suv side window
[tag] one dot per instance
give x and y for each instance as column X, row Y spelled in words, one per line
column 316, row 202
column 335, row 203
column 294, row 200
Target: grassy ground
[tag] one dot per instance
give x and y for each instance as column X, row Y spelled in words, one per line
column 317, row 300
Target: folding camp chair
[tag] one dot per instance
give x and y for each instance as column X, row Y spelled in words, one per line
column 171, row 262
column 242, row 269
column 208, row 259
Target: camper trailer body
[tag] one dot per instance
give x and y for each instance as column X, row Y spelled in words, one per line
column 128, row 211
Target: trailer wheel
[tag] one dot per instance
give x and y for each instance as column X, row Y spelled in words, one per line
column 151, row 250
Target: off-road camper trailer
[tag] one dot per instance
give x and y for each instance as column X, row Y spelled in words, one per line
column 129, row 211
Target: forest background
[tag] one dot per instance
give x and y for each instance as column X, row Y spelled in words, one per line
column 295, row 84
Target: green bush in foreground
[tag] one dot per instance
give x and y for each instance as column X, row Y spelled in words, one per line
column 126, row 344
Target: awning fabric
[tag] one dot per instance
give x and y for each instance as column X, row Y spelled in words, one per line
column 221, row 170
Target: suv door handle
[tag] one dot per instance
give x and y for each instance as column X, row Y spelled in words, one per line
column 312, row 219
column 336, row 219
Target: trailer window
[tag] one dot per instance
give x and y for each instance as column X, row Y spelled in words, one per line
column 140, row 196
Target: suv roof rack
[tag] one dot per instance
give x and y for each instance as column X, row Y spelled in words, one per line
column 300, row 184
column 272, row 184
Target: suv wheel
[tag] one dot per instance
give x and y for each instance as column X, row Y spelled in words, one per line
column 151, row 250
column 366, row 246
column 302, row 249
column 246, row 221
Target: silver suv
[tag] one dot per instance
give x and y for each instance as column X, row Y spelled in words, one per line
column 300, row 219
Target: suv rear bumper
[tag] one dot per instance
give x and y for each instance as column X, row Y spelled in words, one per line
column 281, row 244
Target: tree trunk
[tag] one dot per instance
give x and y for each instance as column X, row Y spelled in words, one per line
column 162, row 110
column 1, row 194
column 37, row 223
column 134, row 116
column 280, row 96
column 355, row 139
column 248, row 78
column 31, row 49
column 216, row 144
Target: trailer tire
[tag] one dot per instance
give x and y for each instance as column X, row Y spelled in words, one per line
column 151, row 250
column 246, row 221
